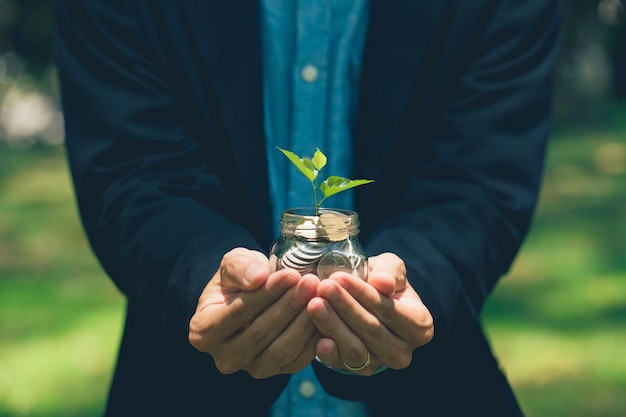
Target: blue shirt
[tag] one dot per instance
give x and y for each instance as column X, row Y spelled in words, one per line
column 312, row 59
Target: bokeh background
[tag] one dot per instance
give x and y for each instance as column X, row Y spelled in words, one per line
column 557, row 322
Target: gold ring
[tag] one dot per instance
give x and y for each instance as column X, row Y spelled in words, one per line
column 359, row 368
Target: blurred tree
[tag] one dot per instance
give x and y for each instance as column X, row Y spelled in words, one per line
column 29, row 96
column 591, row 73
column 612, row 14
column 592, row 68
column 26, row 35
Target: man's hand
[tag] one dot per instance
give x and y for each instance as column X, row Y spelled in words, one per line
column 250, row 319
column 381, row 321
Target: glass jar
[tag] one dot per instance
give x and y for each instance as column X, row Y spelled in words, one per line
column 320, row 244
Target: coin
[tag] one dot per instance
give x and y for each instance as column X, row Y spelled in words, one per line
column 335, row 260
column 307, row 229
column 303, row 256
column 334, row 224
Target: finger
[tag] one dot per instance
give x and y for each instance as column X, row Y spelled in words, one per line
column 363, row 318
column 306, row 355
column 216, row 320
column 349, row 347
column 251, row 340
column 387, row 273
column 328, row 354
column 244, row 269
column 276, row 316
column 413, row 321
column 290, row 352
column 349, row 299
column 404, row 316
column 326, row 350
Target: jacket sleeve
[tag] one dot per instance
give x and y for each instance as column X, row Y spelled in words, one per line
column 150, row 194
column 472, row 182
column 469, row 192
column 455, row 195
column 469, row 186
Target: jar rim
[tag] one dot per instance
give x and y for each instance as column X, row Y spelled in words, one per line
column 331, row 223
column 310, row 211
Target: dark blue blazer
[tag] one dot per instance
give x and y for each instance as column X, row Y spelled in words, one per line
column 164, row 133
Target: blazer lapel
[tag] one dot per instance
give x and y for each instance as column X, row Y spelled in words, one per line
column 396, row 46
column 397, row 43
column 227, row 37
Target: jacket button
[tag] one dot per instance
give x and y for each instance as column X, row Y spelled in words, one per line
column 309, row 73
column 307, row 389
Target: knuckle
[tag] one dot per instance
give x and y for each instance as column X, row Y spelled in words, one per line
column 280, row 357
column 400, row 359
column 203, row 335
column 230, row 261
column 428, row 336
column 427, row 331
column 226, row 367
column 227, row 268
column 194, row 326
column 294, row 304
column 196, row 336
column 259, row 335
column 241, row 312
column 374, row 328
column 354, row 357
column 195, row 340
column 258, row 372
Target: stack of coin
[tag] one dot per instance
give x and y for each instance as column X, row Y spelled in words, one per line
column 320, row 244
column 303, row 256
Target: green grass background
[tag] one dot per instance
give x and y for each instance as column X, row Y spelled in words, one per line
column 557, row 321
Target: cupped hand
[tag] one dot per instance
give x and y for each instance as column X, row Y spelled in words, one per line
column 251, row 319
column 383, row 320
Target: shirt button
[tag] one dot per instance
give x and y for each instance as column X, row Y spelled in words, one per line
column 307, row 389
column 309, row 73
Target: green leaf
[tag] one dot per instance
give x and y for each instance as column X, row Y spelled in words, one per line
column 311, row 168
column 319, row 159
column 305, row 165
column 333, row 185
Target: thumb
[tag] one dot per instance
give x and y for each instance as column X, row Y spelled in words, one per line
column 244, row 269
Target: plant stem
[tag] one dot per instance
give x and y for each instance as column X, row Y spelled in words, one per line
column 317, row 206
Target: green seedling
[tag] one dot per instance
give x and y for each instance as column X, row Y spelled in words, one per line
column 311, row 169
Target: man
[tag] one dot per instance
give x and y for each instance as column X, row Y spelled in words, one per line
column 166, row 137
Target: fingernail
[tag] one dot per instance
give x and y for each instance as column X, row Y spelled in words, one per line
column 322, row 312
column 329, row 290
column 252, row 272
column 310, row 286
